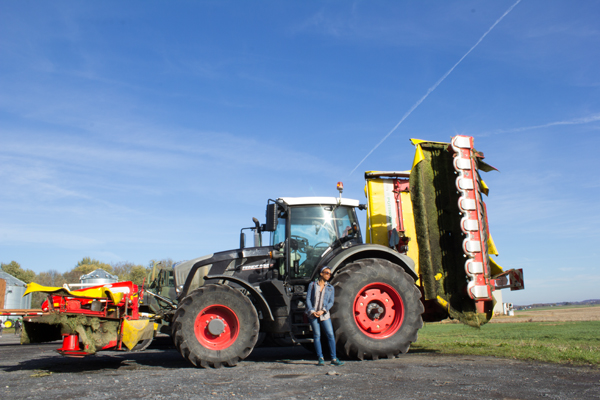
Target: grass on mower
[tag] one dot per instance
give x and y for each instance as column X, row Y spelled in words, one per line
column 576, row 343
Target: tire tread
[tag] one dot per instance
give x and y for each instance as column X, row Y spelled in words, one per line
column 350, row 340
column 188, row 344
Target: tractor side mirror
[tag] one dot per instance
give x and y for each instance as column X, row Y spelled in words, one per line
column 271, row 224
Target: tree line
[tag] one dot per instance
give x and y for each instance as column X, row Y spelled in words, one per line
column 125, row 271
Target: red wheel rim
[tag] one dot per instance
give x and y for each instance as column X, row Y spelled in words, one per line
column 378, row 310
column 226, row 319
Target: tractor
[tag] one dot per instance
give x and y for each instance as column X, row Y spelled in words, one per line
column 427, row 257
column 227, row 299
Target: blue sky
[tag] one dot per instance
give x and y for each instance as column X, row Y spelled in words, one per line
column 132, row 131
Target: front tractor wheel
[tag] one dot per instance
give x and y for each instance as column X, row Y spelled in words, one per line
column 215, row 325
column 377, row 309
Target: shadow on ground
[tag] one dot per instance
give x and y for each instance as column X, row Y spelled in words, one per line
column 161, row 354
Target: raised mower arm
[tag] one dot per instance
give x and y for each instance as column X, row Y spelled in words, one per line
column 475, row 226
column 436, row 215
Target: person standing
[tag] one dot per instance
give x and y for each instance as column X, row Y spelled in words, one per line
column 18, row 327
column 319, row 300
column 1, row 327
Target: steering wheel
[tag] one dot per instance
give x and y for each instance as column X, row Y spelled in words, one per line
column 301, row 242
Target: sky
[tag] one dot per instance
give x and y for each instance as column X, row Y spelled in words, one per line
column 140, row 130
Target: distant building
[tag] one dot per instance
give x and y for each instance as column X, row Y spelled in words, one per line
column 11, row 293
column 98, row 277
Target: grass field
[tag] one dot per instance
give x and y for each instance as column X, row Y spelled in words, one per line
column 563, row 337
column 554, row 314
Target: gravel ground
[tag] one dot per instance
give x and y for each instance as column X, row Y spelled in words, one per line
column 38, row 372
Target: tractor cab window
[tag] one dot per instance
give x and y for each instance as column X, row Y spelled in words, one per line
column 313, row 229
column 279, row 235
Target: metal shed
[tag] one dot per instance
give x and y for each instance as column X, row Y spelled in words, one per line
column 97, row 277
column 11, row 293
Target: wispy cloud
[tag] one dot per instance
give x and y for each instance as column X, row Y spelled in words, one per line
column 27, row 234
column 324, row 23
column 96, row 171
column 575, row 121
column 531, row 203
column 358, row 23
column 562, row 29
column 107, row 130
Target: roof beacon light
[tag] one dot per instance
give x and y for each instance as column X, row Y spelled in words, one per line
column 340, row 188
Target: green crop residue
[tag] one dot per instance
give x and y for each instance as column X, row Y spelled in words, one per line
column 575, row 343
column 94, row 333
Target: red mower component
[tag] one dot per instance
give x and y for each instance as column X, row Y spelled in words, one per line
column 98, row 312
column 81, row 301
column 70, row 347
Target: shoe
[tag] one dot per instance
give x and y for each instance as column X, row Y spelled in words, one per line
column 321, row 362
column 337, row 362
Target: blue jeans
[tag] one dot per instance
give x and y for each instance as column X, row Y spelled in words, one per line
column 316, row 327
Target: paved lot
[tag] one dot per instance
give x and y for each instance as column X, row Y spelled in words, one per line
column 38, row 372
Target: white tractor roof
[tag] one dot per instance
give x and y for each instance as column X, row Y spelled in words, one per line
column 301, row 201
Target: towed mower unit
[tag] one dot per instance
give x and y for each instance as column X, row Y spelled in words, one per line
column 104, row 317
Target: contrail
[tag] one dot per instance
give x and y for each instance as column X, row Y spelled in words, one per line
column 431, row 89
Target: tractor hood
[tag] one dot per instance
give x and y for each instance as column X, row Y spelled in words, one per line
column 190, row 275
column 181, row 270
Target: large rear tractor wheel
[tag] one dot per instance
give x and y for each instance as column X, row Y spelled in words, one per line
column 215, row 325
column 377, row 309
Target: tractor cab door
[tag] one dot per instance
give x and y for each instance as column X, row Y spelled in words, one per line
column 309, row 231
